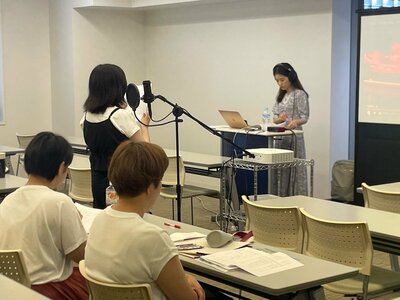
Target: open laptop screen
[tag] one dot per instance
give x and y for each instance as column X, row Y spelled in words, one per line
column 233, row 119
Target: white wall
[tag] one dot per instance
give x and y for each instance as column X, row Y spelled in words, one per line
column 26, row 52
column 105, row 36
column 340, row 81
column 222, row 57
column 203, row 57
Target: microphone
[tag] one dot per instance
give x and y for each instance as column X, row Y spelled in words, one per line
column 133, row 96
column 148, row 96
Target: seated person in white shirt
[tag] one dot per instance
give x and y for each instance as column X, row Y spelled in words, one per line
column 45, row 224
column 122, row 247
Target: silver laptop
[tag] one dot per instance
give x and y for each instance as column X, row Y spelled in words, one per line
column 235, row 120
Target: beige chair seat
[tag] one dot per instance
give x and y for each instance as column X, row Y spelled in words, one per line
column 105, row 291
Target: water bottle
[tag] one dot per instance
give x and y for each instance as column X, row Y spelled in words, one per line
column 266, row 118
column 111, row 196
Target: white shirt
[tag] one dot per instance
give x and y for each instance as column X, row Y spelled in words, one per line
column 46, row 226
column 123, row 119
column 123, row 248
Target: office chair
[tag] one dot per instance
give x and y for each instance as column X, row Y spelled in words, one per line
column 276, row 226
column 12, row 265
column 169, row 182
column 23, row 141
column 105, row 291
column 347, row 243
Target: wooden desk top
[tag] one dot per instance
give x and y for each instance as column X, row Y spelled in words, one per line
column 10, row 183
column 11, row 150
column 11, row 290
column 190, row 158
column 198, row 159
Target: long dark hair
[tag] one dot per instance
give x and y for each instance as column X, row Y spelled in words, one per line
column 285, row 69
column 107, row 87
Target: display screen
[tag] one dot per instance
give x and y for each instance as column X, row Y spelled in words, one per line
column 379, row 77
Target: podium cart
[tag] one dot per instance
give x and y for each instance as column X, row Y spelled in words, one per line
column 231, row 211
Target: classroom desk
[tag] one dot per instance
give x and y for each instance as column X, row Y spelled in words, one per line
column 78, row 144
column 384, row 226
column 267, row 134
column 10, row 151
column 195, row 163
column 11, row 290
column 200, row 164
column 10, row 183
column 314, row 272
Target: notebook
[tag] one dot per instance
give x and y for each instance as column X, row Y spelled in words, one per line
column 235, row 120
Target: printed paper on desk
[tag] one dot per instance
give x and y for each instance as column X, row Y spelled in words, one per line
column 206, row 249
column 253, row 261
column 184, row 236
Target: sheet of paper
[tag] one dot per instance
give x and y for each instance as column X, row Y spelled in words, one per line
column 206, row 249
column 184, row 236
column 253, row 261
column 88, row 215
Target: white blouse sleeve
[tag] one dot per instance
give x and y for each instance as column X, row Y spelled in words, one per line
column 125, row 122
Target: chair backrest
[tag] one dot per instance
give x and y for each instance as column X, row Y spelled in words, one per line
column 377, row 199
column 169, row 177
column 12, row 265
column 347, row 243
column 105, row 291
column 24, row 139
column 80, row 187
column 276, row 226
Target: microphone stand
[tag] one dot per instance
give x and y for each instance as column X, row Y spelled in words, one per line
column 178, row 111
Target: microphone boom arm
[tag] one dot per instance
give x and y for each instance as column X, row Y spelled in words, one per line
column 178, row 111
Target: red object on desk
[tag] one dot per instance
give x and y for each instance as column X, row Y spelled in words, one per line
column 173, row 225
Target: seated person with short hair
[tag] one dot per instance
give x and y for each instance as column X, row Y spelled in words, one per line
column 122, row 247
column 45, row 224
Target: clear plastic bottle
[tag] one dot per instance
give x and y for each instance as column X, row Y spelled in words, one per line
column 111, row 195
column 266, row 118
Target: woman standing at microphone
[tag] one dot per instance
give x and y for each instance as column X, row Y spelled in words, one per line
column 291, row 108
column 107, row 121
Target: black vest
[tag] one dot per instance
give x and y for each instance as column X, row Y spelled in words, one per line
column 102, row 139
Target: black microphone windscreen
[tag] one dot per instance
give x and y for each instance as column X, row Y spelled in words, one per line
column 133, row 95
column 148, row 96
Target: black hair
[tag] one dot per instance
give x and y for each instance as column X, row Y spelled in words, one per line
column 287, row 70
column 107, row 87
column 45, row 153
